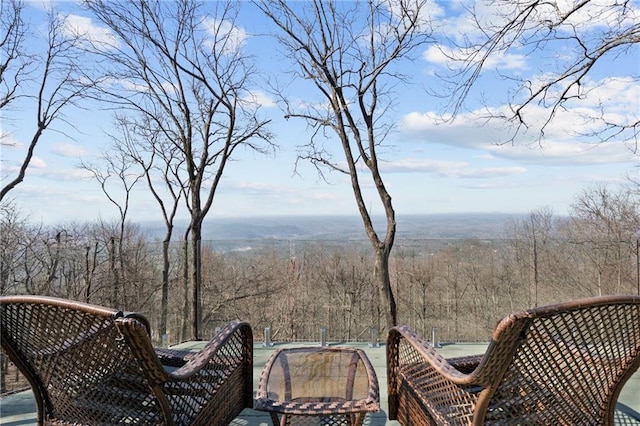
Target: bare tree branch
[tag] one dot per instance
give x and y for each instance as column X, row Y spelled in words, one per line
column 529, row 26
column 347, row 52
column 55, row 74
column 180, row 69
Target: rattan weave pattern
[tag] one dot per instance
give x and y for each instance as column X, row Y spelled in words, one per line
column 91, row 365
column 624, row 416
column 557, row 365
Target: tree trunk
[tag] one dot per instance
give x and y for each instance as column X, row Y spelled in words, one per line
column 4, row 276
column 114, row 273
column 383, row 282
column 87, row 276
column 185, row 288
column 196, row 280
column 165, row 284
column 121, row 278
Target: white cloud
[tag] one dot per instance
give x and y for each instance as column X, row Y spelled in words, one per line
column 436, row 55
column 449, row 169
column 7, row 140
column 618, row 97
column 278, row 197
column 560, row 145
column 506, row 61
column 565, row 153
column 320, row 196
column 68, row 150
column 225, row 37
column 126, row 85
column 72, row 174
column 463, row 25
column 37, row 163
column 598, row 105
column 419, row 166
column 261, row 98
column 39, row 168
column 140, row 86
column 431, row 12
column 84, row 28
column 469, row 22
column 448, row 56
column 469, row 130
column 42, row 4
column 591, row 14
column 256, row 187
column 567, row 138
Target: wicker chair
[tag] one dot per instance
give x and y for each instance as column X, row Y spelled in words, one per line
column 562, row 364
column 91, row 365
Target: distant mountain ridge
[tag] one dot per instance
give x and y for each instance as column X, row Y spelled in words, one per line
column 429, row 226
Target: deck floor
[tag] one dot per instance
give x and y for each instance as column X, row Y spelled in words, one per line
column 19, row 409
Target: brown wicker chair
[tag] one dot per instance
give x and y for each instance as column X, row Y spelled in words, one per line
column 91, row 365
column 562, row 364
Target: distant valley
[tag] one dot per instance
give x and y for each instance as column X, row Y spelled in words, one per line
column 433, row 226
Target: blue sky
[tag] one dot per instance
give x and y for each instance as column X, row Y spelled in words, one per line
column 428, row 167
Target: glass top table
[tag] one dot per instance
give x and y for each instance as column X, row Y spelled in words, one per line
column 337, row 384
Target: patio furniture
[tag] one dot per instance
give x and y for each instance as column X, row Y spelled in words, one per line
column 562, row 364
column 337, row 385
column 92, row 365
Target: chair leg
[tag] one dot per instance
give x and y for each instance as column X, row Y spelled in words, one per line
column 276, row 421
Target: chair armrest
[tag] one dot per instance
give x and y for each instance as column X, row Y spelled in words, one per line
column 213, row 384
column 223, row 367
column 423, row 354
column 465, row 364
column 230, row 348
column 173, row 358
column 443, row 389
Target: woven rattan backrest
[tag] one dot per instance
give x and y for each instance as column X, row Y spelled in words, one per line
column 568, row 364
column 77, row 361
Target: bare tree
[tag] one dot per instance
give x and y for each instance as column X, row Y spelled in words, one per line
column 537, row 229
column 580, row 37
column 606, row 224
column 349, row 51
column 116, row 166
column 161, row 162
column 13, row 238
column 41, row 83
column 416, row 275
column 181, row 66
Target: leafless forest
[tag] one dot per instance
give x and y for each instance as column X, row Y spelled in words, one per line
column 296, row 287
